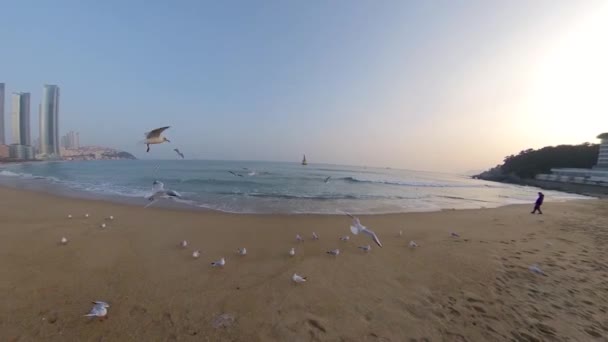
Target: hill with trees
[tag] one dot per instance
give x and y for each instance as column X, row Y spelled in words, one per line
column 529, row 163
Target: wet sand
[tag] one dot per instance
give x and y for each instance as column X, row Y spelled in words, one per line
column 473, row 288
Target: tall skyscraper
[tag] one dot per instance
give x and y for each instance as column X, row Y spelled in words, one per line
column 49, row 121
column 21, row 119
column 2, row 139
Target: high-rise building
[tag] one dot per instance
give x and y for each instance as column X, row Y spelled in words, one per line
column 21, row 118
column 71, row 141
column 49, row 121
column 2, row 138
column 602, row 158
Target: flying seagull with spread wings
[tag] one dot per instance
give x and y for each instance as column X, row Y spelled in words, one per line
column 155, row 137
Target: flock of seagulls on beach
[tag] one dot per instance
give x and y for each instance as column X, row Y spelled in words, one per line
column 100, row 308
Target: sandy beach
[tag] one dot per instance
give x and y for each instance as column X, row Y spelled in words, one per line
column 473, row 288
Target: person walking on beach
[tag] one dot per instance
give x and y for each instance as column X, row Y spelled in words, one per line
column 539, row 202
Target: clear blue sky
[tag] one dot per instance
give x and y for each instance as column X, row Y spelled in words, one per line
column 435, row 85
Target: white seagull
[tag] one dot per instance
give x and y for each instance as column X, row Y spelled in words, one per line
column 299, row 238
column 357, row 228
column 103, row 225
column 315, row 236
column 334, row 252
column 366, row 248
column 100, row 309
column 196, row 254
column 242, row 251
column 413, row 244
column 183, row 244
column 70, row 216
column 219, row 263
column 298, row 278
column 111, row 218
column 159, row 192
column 64, row 241
column 155, row 137
column 344, row 238
column 292, row 251
column 86, row 215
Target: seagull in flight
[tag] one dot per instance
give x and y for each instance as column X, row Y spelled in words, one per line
column 235, row 174
column 155, row 137
column 327, row 179
column 357, row 228
column 100, row 309
column 159, row 192
column 178, row 152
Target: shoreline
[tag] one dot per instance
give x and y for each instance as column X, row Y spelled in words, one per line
column 44, row 186
column 475, row 287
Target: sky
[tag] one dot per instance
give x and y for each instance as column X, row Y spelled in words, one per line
column 426, row 85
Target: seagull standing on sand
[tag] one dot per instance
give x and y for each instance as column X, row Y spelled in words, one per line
column 196, row 254
column 155, row 137
column 315, row 236
column 242, row 251
column 70, row 216
column 344, row 238
column 178, row 152
column 366, row 248
column 298, row 278
column 64, row 241
column 219, row 263
column 299, row 238
column 357, row 228
column 413, row 244
column 159, row 192
column 454, row 235
column 183, row 244
column 334, row 252
column 100, row 309
column 292, row 251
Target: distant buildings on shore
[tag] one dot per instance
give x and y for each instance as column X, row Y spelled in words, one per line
column 21, row 148
column 70, row 141
column 598, row 175
column 49, row 145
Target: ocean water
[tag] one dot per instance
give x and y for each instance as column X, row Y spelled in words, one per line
column 268, row 187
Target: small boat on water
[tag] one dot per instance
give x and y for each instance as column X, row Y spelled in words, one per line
column 304, row 161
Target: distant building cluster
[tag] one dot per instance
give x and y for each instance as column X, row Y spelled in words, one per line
column 598, row 175
column 21, row 148
column 70, row 141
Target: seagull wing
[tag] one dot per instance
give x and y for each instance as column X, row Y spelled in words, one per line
column 155, row 132
column 173, row 193
column 152, row 202
column 372, row 235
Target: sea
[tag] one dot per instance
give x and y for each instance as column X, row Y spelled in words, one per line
column 270, row 187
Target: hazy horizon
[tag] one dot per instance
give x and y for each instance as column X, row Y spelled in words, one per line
column 448, row 86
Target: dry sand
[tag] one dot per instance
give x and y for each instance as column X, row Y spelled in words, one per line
column 473, row 288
